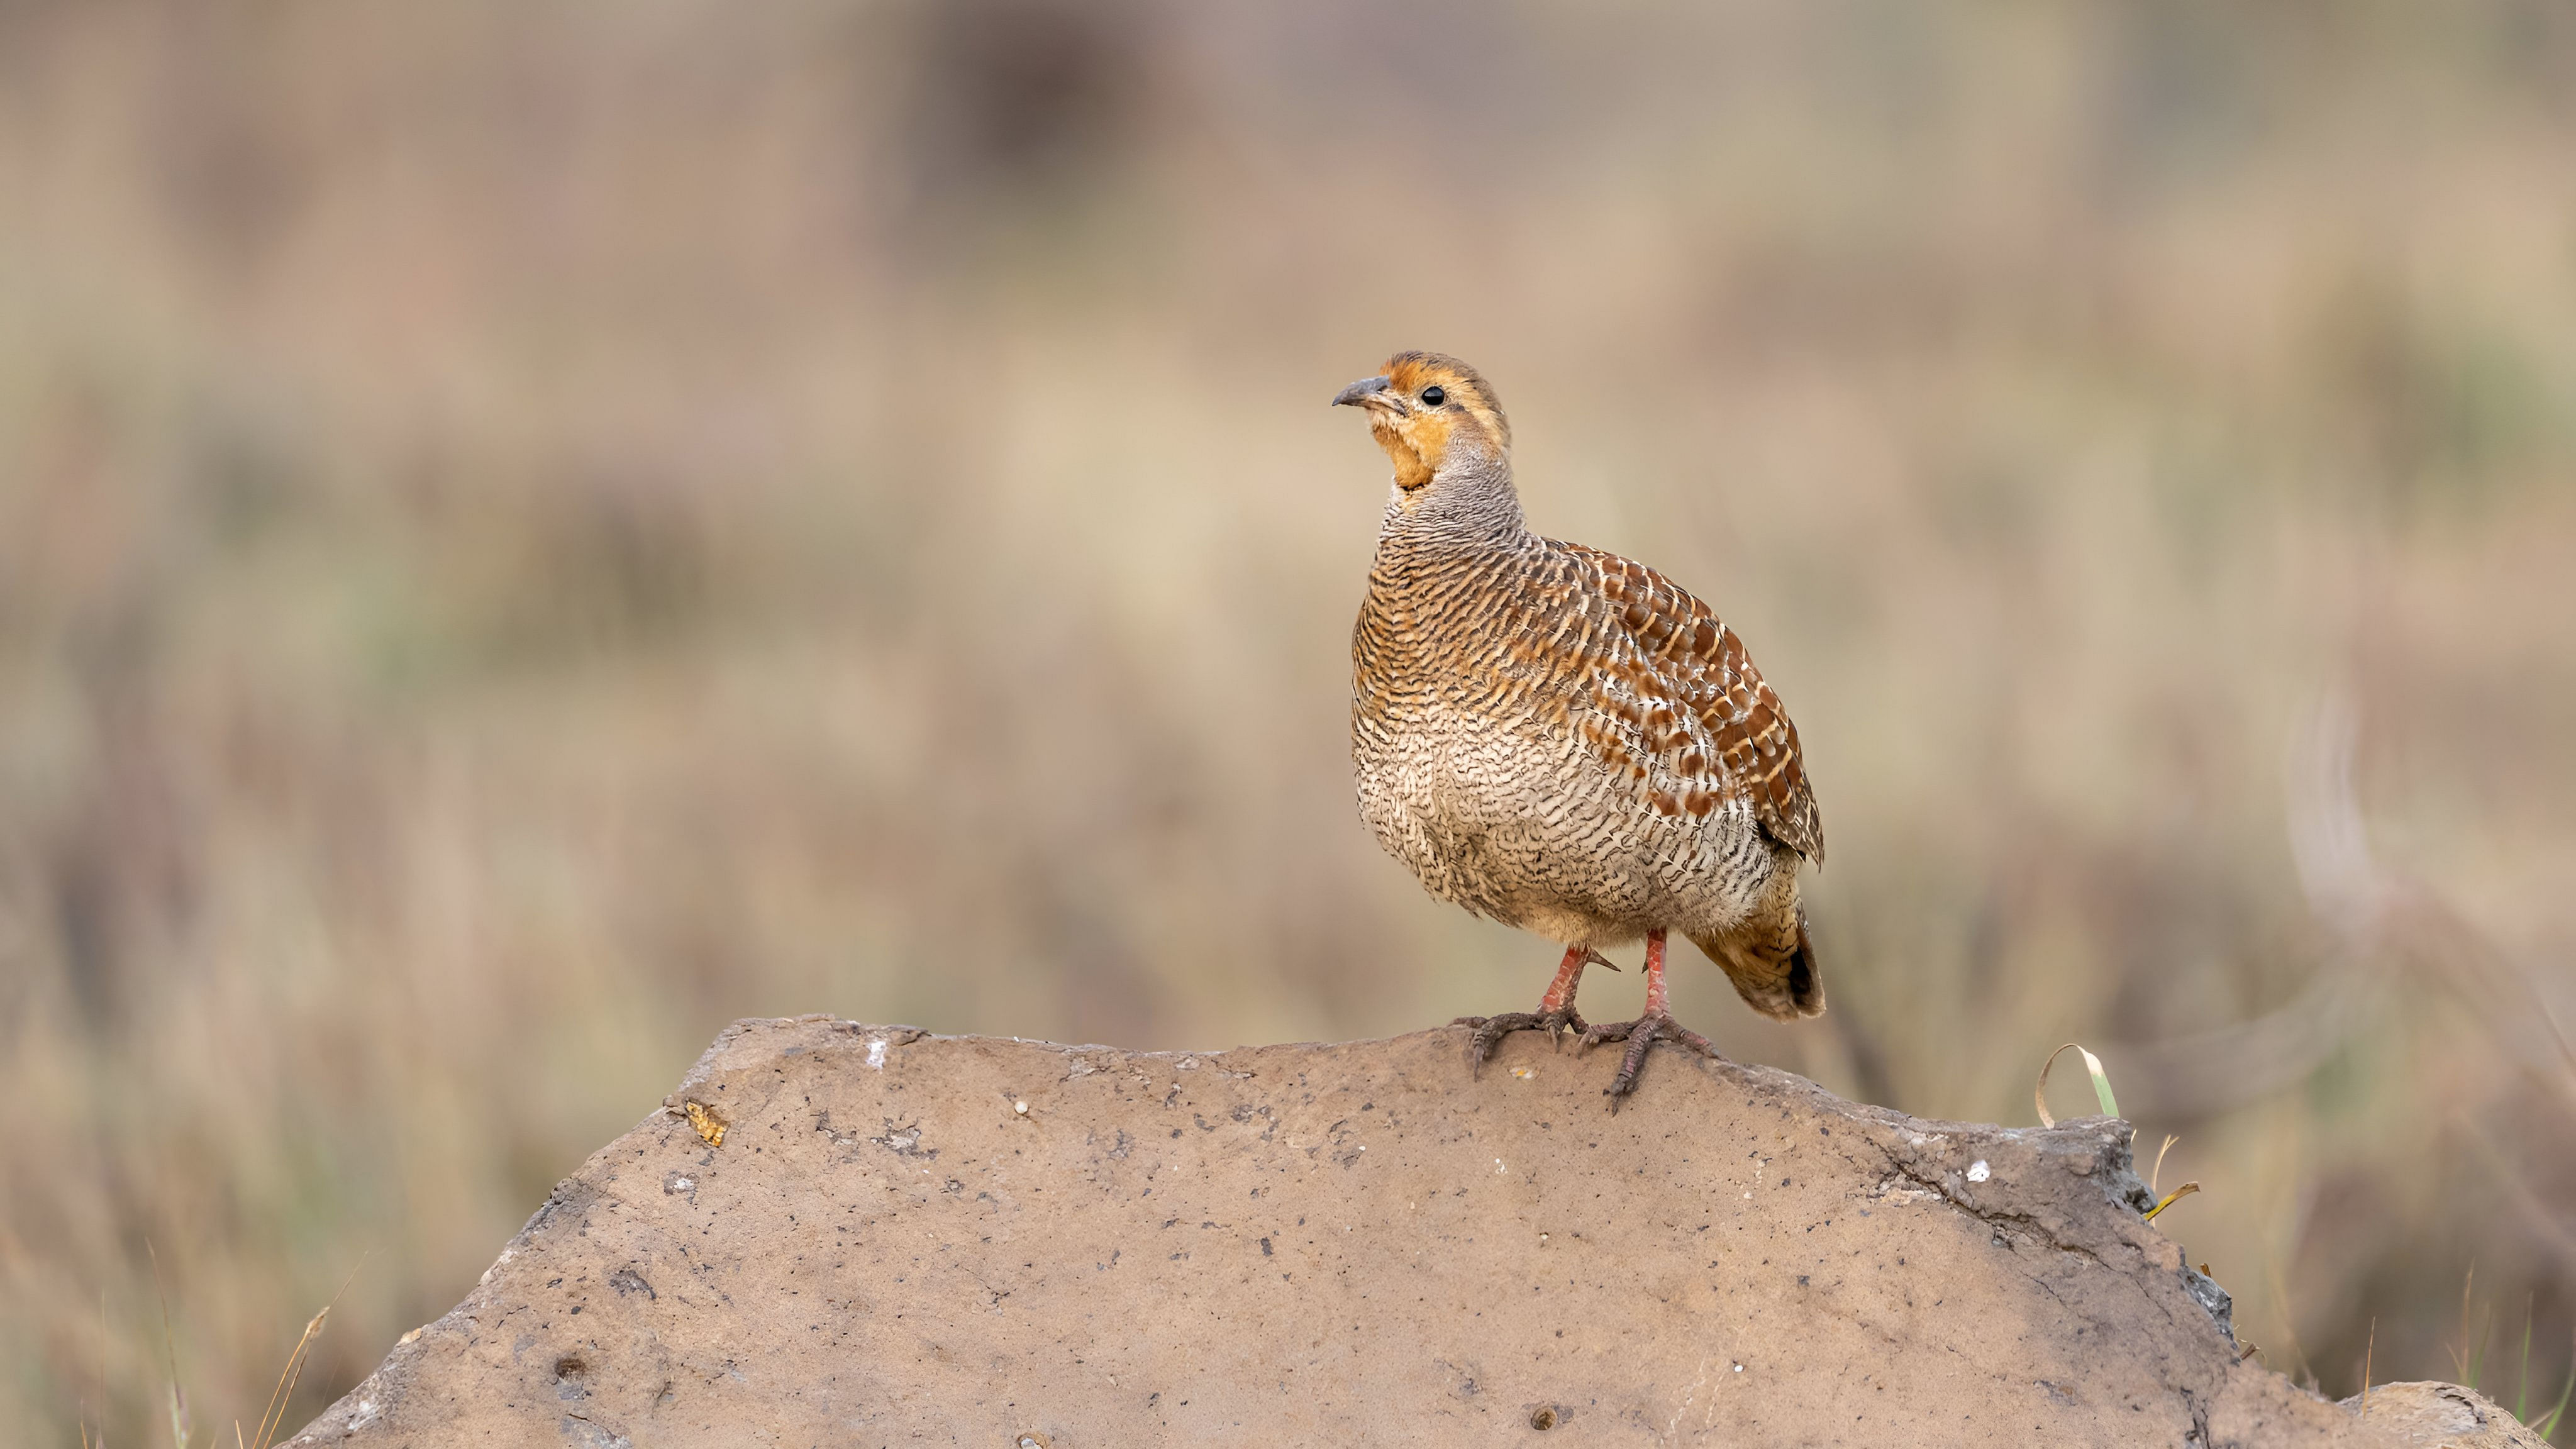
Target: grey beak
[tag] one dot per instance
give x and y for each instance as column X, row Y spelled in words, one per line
column 1359, row 393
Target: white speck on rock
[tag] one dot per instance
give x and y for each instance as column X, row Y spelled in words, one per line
column 1020, row 1107
column 1499, row 1169
column 1978, row 1171
column 876, row 1054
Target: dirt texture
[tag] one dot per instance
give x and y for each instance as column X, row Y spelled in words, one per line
column 904, row 1238
column 2440, row 1416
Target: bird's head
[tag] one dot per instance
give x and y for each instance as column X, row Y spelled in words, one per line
column 1432, row 414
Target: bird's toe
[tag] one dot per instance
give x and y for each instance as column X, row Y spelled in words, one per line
column 1641, row 1036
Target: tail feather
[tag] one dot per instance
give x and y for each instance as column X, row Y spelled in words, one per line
column 1773, row 965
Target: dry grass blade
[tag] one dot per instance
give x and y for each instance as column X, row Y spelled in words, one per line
column 2158, row 1171
column 2367, row 1352
column 2101, row 1084
column 273, row 1418
column 170, row 1353
column 2486, row 1335
column 2168, row 1200
column 2465, row 1354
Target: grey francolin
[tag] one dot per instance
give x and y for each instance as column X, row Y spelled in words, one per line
column 1563, row 740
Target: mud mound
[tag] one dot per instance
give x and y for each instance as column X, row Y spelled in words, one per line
column 904, row 1238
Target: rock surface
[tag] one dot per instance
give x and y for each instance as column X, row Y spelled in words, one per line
column 2440, row 1416
column 904, row 1238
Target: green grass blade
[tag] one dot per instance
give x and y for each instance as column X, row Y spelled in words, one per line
column 2092, row 1064
column 2522, row 1380
column 2101, row 1084
column 2547, row 1428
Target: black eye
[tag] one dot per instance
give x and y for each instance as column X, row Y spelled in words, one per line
column 1433, row 397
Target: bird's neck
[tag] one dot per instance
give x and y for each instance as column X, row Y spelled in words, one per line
column 1470, row 508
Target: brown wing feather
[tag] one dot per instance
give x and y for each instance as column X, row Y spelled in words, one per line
column 1675, row 701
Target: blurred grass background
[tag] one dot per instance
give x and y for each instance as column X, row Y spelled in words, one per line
column 530, row 531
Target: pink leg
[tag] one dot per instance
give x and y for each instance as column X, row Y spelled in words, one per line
column 1560, row 995
column 1555, row 1010
column 1641, row 1033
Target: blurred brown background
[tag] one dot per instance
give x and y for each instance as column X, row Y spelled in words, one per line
column 528, row 532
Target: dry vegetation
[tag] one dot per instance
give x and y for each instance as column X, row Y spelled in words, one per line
column 529, row 532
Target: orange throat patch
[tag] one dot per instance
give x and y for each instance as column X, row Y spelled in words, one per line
column 1414, row 465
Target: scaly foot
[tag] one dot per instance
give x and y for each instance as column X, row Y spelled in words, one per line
column 1490, row 1030
column 1639, row 1035
column 1555, row 1014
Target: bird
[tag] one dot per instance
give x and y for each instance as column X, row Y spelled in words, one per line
column 1564, row 740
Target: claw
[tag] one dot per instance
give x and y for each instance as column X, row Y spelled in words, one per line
column 1555, row 1014
column 1490, row 1031
column 1478, row 1047
column 1640, row 1035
